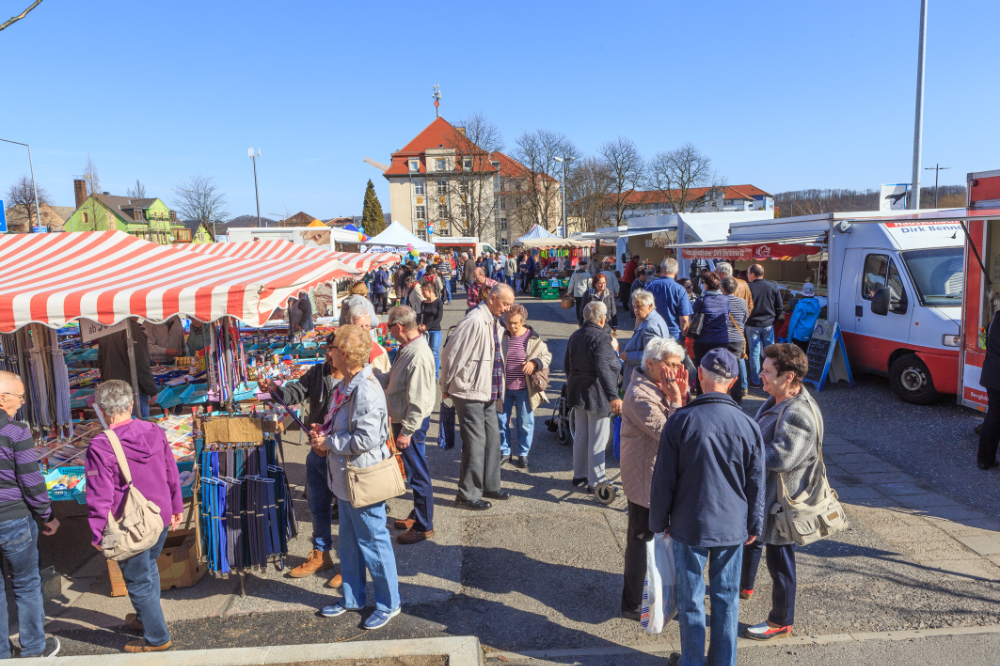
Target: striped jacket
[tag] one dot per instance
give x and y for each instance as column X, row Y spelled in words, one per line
column 22, row 488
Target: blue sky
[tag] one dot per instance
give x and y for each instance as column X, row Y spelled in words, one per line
column 783, row 95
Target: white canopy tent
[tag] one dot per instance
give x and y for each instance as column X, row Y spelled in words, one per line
column 536, row 232
column 396, row 235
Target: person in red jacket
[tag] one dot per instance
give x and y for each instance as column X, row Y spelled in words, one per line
column 628, row 277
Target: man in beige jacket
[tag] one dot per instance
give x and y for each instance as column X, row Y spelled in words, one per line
column 472, row 376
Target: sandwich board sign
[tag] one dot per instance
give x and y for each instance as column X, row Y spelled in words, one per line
column 91, row 330
column 827, row 356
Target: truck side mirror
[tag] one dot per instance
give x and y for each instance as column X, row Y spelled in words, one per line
column 880, row 302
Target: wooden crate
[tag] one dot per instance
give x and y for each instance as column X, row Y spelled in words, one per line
column 179, row 564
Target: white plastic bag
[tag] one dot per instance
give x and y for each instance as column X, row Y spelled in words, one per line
column 659, row 592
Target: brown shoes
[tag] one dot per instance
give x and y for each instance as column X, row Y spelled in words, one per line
column 143, row 646
column 317, row 561
column 132, row 622
column 336, row 582
column 405, row 524
column 413, row 536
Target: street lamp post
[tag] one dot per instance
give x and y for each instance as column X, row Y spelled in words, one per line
column 31, row 165
column 254, row 156
column 562, row 188
column 937, row 169
column 918, row 122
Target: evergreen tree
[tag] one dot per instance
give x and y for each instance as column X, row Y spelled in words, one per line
column 372, row 218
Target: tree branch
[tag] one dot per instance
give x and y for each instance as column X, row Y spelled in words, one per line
column 15, row 19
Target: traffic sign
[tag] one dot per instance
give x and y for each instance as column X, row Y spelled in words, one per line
column 3, row 218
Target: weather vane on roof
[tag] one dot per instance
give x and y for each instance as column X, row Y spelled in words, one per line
column 437, row 100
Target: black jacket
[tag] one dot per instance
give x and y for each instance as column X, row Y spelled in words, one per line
column 767, row 303
column 112, row 359
column 989, row 379
column 317, row 386
column 592, row 370
column 708, row 481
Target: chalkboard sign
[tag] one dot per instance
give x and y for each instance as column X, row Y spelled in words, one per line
column 827, row 356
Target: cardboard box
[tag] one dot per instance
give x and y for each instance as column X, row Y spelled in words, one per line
column 179, row 564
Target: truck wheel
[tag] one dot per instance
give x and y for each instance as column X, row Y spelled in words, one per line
column 911, row 380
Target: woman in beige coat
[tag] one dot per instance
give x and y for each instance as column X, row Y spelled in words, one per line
column 657, row 389
column 524, row 353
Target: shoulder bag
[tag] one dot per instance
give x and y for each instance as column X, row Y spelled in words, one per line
column 381, row 481
column 140, row 525
column 814, row 514
column 745, row 357
column 697, row 321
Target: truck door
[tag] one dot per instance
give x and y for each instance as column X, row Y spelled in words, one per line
column 878, row 336
column 850, row 272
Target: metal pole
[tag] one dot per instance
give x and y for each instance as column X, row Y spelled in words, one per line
column 918, row 123
column 563, row 189
column 131, row 365
column 937, row 172
column 255, row 190
column 31, row 165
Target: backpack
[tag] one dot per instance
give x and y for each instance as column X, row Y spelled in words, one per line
column 140, row 526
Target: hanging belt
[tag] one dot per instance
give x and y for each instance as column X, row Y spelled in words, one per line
column 220, row 525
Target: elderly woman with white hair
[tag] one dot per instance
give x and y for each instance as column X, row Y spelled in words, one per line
column 592, row 370
column 648, row 325
column 658, row 388
column 154, row 474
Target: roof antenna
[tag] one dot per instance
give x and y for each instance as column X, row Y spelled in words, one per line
column 437, row 100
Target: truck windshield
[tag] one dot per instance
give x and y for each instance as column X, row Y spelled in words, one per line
column 937, row 275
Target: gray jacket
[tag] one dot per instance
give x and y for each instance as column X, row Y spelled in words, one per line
column 359, row 432
column 467, row 358
column 161, row 337
column 790, row 449
column 409, row 385
column 651, row 327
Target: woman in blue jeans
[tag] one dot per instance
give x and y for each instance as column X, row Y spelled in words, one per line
column 524, row 353
column 431, row 312
column 356, row 430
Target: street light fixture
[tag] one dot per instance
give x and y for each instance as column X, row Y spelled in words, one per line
column 31, row 165
column 251, row 155
column 562, row 189
column 937, row 169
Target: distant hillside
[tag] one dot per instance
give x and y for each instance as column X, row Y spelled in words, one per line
column 246, row 221
column 813, row 202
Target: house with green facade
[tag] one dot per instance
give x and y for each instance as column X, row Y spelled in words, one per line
column 148, row 219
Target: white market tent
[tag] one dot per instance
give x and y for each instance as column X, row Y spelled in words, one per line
column 396, row 235
column 536, row 232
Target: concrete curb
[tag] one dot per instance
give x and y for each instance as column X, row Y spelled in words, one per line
column 460, row 650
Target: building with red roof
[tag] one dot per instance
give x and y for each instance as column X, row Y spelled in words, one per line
column 700, row 200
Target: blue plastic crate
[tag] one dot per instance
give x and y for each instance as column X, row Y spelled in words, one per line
column 66, row 494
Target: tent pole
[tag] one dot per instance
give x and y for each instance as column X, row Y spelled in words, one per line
column 131, row 365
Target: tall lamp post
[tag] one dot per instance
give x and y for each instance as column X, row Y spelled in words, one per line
column 254, row 156
column 31, row 165
column 562, row 188
column 937, row 169
column 918, row 122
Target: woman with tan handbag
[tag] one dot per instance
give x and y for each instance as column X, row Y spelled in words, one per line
column 149, row 463
column 362, row 473
column 792, row 428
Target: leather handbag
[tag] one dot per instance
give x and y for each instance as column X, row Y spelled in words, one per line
column 140, row 526
column 696, row 326
column 816, row 512
column 384, row 480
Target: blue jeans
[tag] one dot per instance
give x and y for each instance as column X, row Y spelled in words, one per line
column 724, row 565
column 447, row 289
column 418, row 474
column 144, row 406
column 434, row 340
column 454, row 284
column 364, row 543
column 758, row 337
column 142, row 580
column 19, row 544
column 743, row 374
column 320, row 501
column 525, row 422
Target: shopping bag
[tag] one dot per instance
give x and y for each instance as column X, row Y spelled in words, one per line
column 617, row 430
column 659, row 592
column 446, row 429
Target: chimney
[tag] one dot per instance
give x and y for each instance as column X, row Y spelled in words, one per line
column 80, row 191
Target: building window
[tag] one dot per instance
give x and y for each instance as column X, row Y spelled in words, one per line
column 464, row 211
column 463, row 188
column 467, row 164
column 440, row 164
column 503, row 204
column 442, row 187
column 496, row 165
column 503, row 224
column 442, row 211
column 414, row 166
column 421, row 212
column 418, row 188
column 86, row 218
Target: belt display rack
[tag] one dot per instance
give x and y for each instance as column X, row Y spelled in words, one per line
column 246, row 513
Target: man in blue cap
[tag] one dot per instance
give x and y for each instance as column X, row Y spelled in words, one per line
column 708, row 495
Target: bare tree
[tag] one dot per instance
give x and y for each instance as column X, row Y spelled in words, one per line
column 627, row 169
column 587, row 192
column 137, row 192
column 197, row 198
column 677, row 173
column 93, row 180
column 21, row 193
column 475, row 143
column 536, row 151
column 15, row 19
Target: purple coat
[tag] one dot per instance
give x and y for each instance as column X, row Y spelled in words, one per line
column 154, row 473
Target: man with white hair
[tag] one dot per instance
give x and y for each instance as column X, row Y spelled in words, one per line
column 725, row 269
column 23, row 498
column 472, row 376
column 379, row 358
column 671, row 299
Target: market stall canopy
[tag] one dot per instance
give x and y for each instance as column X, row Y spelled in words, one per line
column 279, row 248
column 556, row 242
column 108, row 276
column 535, row 233
column 396, row 235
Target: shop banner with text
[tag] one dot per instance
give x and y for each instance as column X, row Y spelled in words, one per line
column 759, row 252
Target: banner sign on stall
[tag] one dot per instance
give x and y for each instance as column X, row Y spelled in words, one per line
column 749, row 252
column 827, row 356
column 91, row 330
column 893, row 196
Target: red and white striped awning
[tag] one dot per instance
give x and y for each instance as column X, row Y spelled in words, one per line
column 362, row 262
column 107, row 276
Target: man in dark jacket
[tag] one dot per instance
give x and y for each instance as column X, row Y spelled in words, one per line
column 767, row 305
column 113, row 362
column 316, row 386
column 592, row 370
column 468, row 270
column 708, row 494
column 989, row 379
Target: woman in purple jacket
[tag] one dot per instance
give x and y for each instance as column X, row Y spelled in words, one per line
column 154, row 473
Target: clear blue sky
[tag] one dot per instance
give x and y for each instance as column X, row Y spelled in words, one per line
column 784, row 95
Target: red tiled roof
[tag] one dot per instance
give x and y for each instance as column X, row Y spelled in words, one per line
column 439, row 134
column 748, row 192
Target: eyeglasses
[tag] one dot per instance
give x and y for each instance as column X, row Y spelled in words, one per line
column 16, row 395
